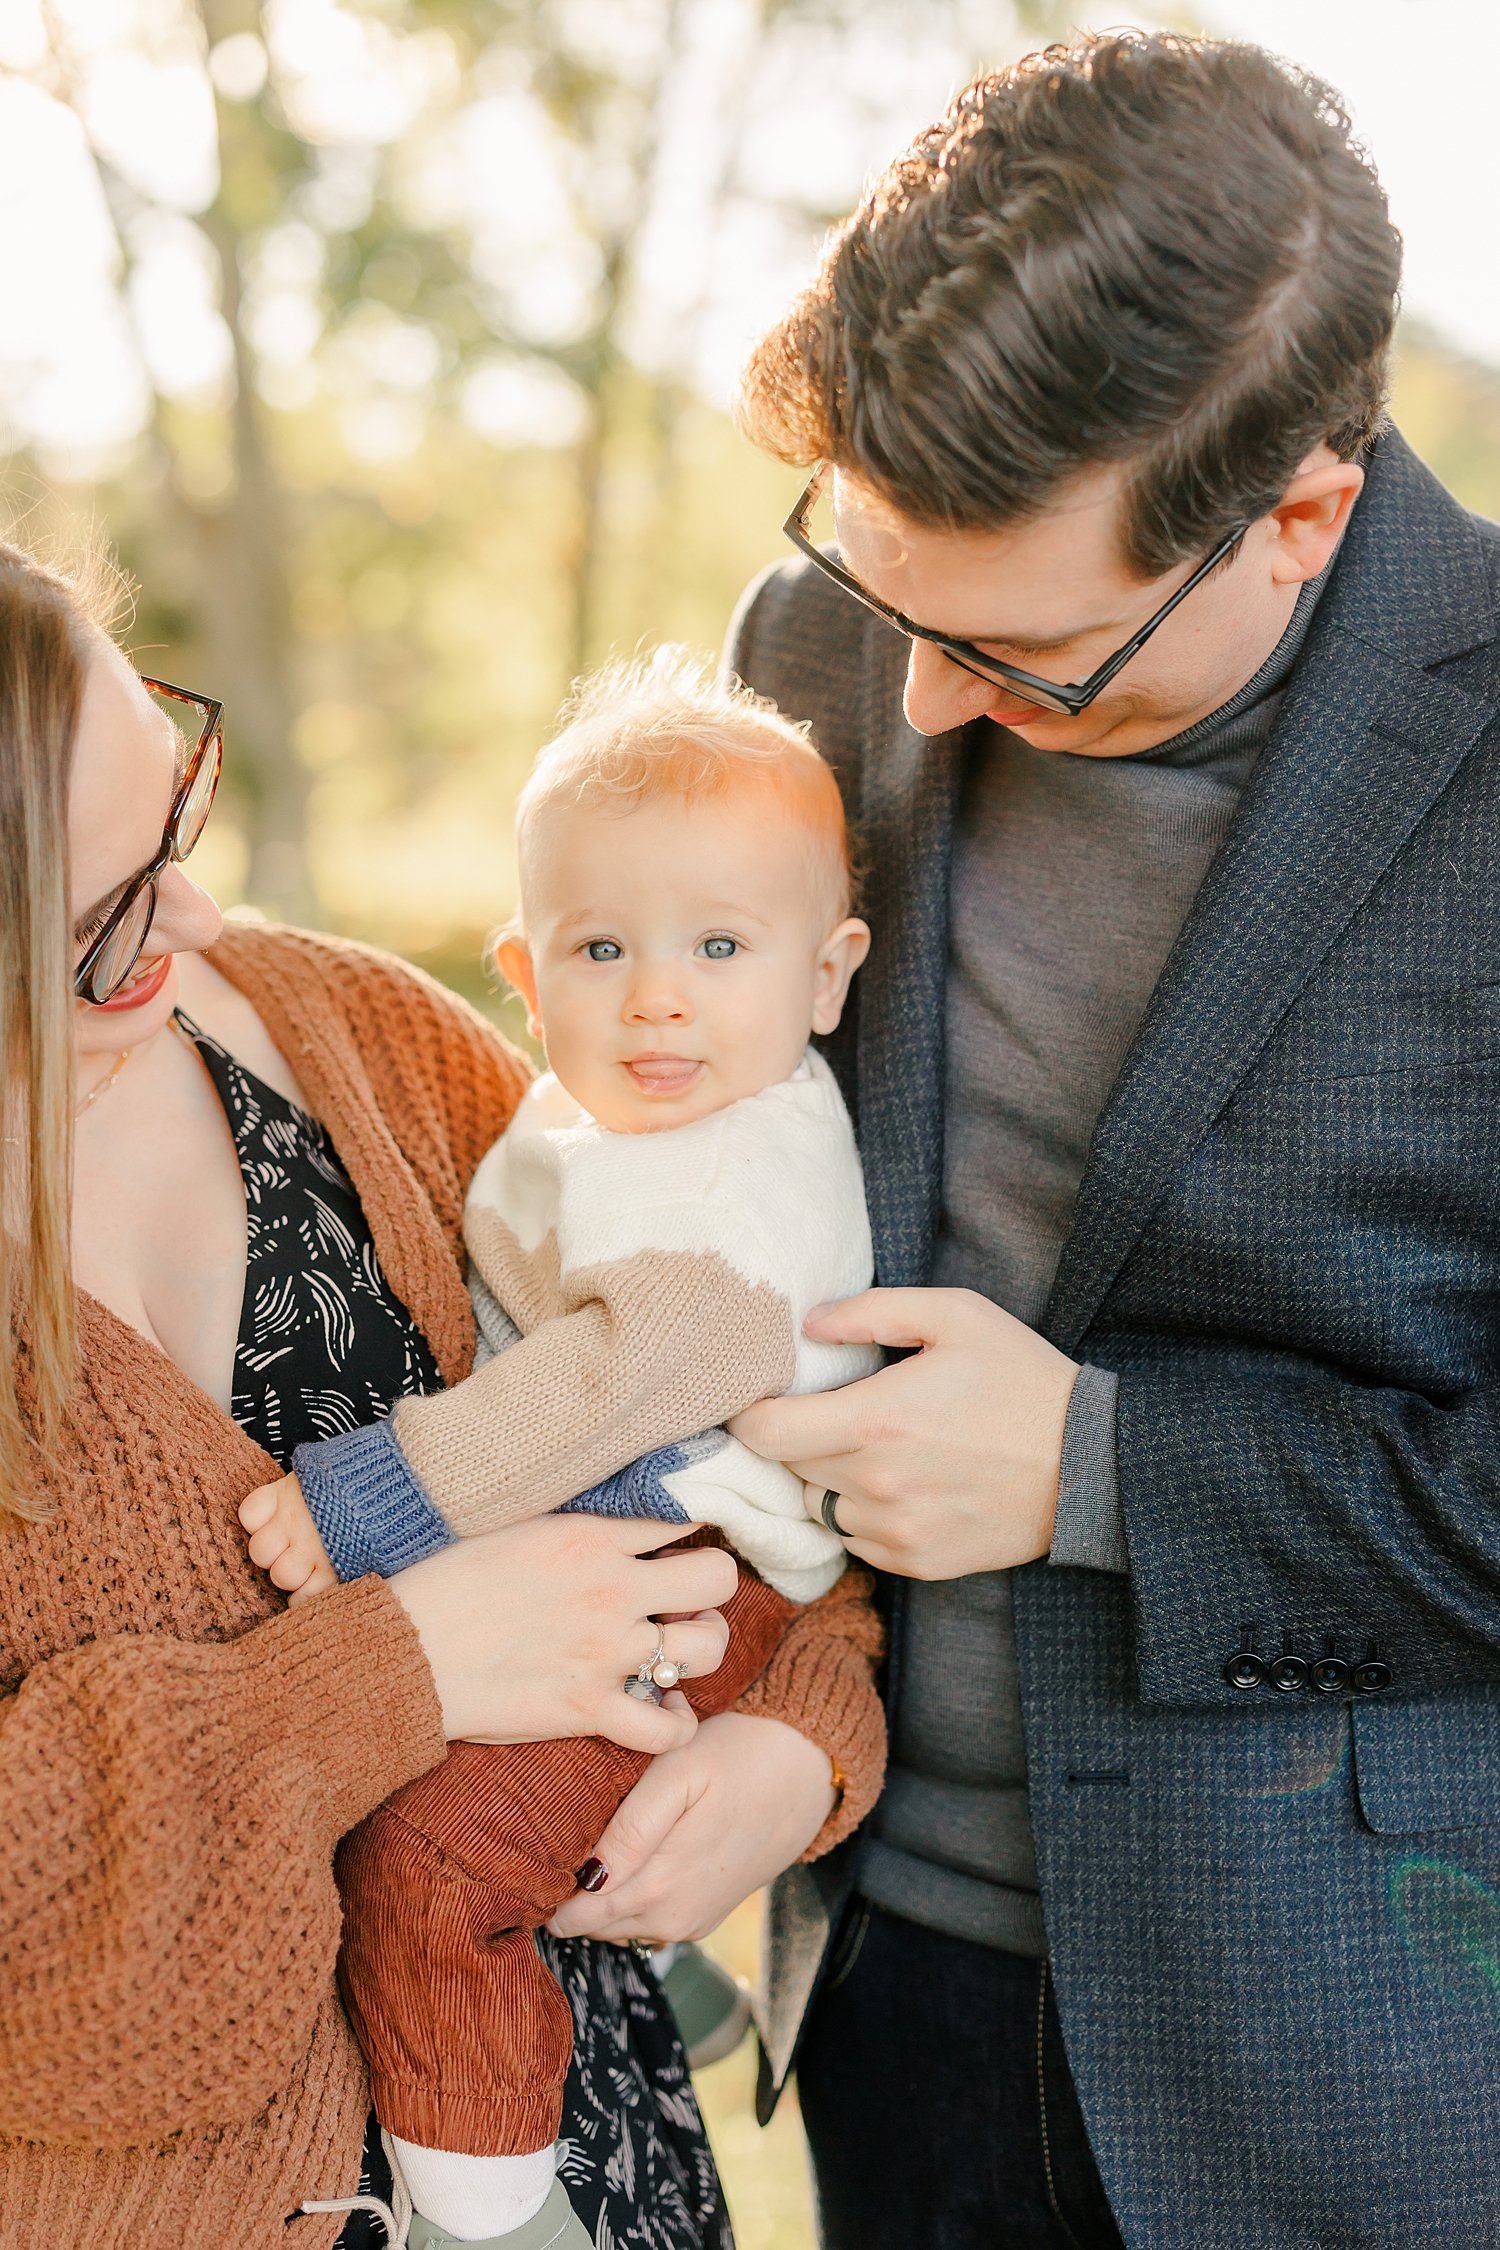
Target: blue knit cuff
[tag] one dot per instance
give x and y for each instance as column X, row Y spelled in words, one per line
column 1089, row 1532
column 371, row 1509
column 640, row 1488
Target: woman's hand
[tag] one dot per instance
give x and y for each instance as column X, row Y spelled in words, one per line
column 704, row 1827
column 947, row 1462
column 531, row 1631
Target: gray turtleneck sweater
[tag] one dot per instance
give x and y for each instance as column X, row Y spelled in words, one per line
column 1071, row 879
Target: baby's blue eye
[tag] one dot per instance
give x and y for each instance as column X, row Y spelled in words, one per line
column 602, row 949
column 720, row 948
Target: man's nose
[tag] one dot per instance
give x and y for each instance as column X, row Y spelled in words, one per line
column 941, row 694
column 658, row 996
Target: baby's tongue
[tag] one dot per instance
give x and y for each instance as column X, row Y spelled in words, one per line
column 674, row 1070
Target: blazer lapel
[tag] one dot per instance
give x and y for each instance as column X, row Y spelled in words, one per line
column 908, row 790
column 1365, row 742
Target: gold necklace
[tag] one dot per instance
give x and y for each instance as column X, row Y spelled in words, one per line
column 105, row 1082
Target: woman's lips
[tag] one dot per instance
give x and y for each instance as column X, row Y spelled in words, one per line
column 143, row 986
column 663, row 1074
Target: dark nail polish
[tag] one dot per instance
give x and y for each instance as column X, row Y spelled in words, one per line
column 592, row 1876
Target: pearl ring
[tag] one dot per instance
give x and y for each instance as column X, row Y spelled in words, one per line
column 656, row 1674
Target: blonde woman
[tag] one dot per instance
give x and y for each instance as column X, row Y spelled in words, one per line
column 233, row 1169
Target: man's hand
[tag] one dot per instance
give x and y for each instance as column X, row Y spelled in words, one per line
column 948, row 1462
column 284, row 1540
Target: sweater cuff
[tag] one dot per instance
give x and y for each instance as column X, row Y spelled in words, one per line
column 346, row 1682
column 827, row 1693
column 372, row 1511
column 1089, row 1533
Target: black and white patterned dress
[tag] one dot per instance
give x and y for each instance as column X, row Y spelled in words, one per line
column 325, row 1344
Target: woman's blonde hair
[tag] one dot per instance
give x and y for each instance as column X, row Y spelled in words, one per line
column 50, row 619
column 661, row 725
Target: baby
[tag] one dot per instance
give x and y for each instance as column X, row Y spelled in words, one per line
column 646, row 1238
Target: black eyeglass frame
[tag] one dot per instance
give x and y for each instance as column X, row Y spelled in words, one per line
column 210, row 736
column 1049, row 695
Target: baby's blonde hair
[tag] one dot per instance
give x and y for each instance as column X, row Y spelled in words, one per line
column 661, row 725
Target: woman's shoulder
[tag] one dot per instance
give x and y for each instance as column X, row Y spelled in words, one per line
column 419, row 1041
column 343, row 968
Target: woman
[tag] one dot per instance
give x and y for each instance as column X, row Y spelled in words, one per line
column 178, row 1755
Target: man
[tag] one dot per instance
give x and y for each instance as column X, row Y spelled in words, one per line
column 1176, row 1067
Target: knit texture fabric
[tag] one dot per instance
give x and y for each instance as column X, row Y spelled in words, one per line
column 654, row 1284
column 179, row 1755
column 647, row 1286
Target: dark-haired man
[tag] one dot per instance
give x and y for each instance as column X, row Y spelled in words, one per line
column 1177, row 1074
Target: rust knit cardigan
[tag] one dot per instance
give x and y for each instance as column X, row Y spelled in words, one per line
column 179, row 1754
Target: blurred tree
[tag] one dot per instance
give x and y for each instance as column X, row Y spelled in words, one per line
column 429, row 216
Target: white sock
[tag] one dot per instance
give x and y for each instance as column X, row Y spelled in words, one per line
column 475, row 2197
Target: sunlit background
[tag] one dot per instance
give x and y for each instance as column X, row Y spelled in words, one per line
column 392, row 344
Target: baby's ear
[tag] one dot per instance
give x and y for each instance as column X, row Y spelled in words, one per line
column 842, row 952
column 513, row 960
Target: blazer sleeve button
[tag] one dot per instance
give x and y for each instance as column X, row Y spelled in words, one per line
column 1372, row 1676
column 1244, row 1669
column 1288, row 1674
column 1331, row 1675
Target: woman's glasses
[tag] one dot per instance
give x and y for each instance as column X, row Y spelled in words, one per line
column 1027, row 687
column 113, row 952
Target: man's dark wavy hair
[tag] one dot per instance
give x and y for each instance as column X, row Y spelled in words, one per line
column 1163, row 252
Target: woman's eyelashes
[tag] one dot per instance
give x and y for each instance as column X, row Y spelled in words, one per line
column 84, row 933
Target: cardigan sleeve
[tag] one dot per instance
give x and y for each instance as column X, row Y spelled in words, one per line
column 822, row 1681
column 168, row 1813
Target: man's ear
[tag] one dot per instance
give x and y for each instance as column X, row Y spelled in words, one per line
column 1310, row 517
column 839, row 956
column 513, row 960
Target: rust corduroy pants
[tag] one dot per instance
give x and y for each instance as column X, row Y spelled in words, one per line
column 467, row 2034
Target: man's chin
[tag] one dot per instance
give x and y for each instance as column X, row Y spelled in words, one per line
column 1085, row 737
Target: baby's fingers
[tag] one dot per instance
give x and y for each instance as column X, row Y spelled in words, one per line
column 258, row 1507
column 318, row 1580
column 269, row 1544
column 291, row 1570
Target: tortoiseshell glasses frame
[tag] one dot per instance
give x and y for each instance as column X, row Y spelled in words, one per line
column 112, row 954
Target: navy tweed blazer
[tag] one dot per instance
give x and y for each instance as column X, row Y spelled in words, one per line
column 1272, row 1886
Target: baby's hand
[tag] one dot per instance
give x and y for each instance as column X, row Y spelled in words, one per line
column 284, row 1540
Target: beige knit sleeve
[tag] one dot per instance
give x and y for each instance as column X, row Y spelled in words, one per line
column 646, row 1351
column 168, row 1815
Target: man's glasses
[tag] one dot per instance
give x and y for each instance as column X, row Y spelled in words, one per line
column 112, row 954
column 1047, row 695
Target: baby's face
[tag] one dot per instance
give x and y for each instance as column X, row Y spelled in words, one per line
column 678, row 954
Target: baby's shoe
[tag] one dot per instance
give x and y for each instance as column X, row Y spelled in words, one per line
column 556, row 2226
column 711, row 2005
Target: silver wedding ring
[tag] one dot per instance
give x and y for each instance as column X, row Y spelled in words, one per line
column 830, row 1513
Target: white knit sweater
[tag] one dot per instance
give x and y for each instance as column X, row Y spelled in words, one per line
column 636, row 1290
